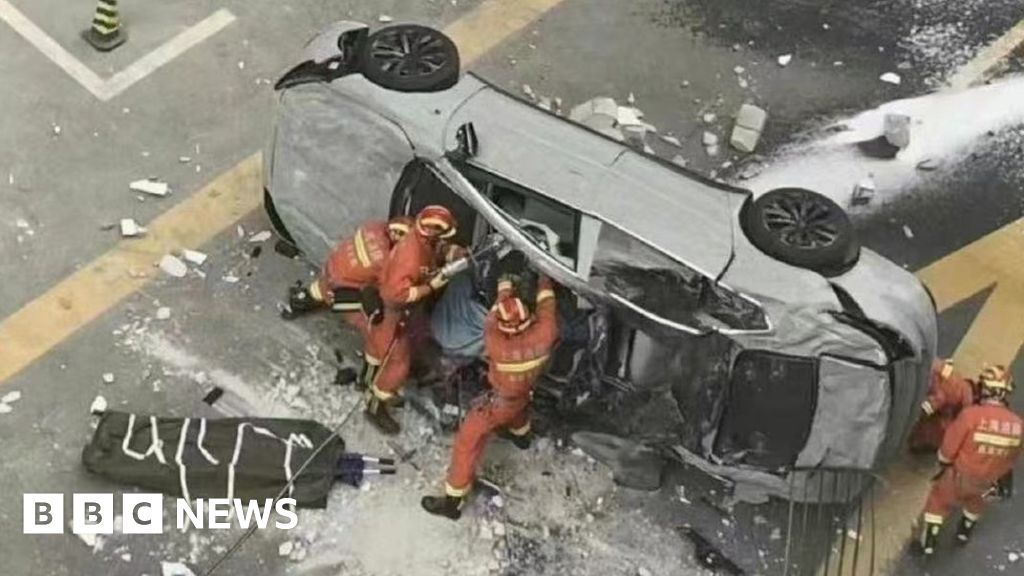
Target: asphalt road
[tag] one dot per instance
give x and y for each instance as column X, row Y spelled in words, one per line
column 59, row 188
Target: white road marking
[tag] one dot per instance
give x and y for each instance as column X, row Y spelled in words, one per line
column 108, row 89
column 51, row 49
column 168, row 51
column 980, row 66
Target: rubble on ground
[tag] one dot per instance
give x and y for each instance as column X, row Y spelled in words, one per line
column 130, row 228
column 173, row 266
column 891, row 78
column 750, row 122
column 151, row 187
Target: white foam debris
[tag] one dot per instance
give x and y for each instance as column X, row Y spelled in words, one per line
column 785, row 59
column 709, row 139
column 11, row 397
column 163, row 313
column 1013, row 557
column 908, row 232
column 151, row 187
column 384, row 19
column 5, row 408
column 173, row 266
column 108, row 377
column 194, row 256
column 262, row 236
column 528, row 91
column 671, row 140
column 891, row 78
column 286, row 547
column 130, row 228
column 22, row 224
column 175, row 569
column 99, row 405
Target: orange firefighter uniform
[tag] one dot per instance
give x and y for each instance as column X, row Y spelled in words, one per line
column 356, row 263
column 979, row 448
column 408, row 276
column 517, row 354
column 948, row 394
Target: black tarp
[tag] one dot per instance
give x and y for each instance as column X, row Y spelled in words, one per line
column 246, row 458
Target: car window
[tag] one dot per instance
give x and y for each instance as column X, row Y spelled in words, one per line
column 551, row 225
column 625, row 267
column 419, row 187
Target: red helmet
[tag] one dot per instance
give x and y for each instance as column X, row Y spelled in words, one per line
column 996, row 379
column 513, row 315
column 435, row 222
column 399, row 226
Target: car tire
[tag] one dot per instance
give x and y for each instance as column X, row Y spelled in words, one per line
column 802, row 228
column 275, row 218
column 410, row 58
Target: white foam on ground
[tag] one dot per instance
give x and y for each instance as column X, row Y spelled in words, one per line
column 945, row 126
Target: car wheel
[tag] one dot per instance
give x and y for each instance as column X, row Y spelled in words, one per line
column 410, row 58
column 802, row 228
column 275, row 218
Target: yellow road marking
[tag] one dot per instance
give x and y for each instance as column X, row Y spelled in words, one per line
column 995, row 336
column 82, row 297
column 493, row 22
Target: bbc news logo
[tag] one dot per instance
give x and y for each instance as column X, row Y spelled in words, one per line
column 144, row 514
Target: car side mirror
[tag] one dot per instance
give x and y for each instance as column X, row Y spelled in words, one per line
column 466, row 144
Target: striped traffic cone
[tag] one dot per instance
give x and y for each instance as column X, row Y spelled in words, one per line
column 106, row 32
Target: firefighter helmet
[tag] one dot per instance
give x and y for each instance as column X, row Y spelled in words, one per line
column 995, row 380
column 435, row 222
column 513, row 315
column 399, row 226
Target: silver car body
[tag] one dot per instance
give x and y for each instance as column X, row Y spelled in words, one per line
column 340, row 148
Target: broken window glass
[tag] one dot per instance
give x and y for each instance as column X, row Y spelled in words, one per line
column 626, row 267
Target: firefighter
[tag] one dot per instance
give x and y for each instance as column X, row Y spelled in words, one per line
column 518, row 343
column 352, row 266
column 407, row 278
column 978, row 450
column 948, row 394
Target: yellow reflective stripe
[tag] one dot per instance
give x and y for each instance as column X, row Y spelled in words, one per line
column 414, row 295
column 520, row 367
column 361, row 254
column 933, row 518
column 371, row 360
column 380, row 394
column 504, row 285
column 927, row 407
column 545, row 294
column 521, row 431
column 972, row 517
column 314, row 291
column 455, row 492
column 996, row 440
column 943, row 459
column 348, row 307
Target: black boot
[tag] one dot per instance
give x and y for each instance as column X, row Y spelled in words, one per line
column 377, row 414
column 521, row 441
column 930, row 537
column 300, row 302
column 448, row 506
column 963, row 531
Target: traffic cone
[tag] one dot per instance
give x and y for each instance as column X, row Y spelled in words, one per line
column 106, row 32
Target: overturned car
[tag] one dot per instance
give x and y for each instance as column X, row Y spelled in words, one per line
column 750, row 336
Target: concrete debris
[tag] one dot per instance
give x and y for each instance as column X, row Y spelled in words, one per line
column 261, row 236
column 184, row 159
column 545, row 103
column 863, row 192
column 175, row 569
column 709, row 139
column 679, row 160
column 286, row 548
column 173, row 266
column 108, row 378
column 384, row 19
column 151, row 187
column 126, row 557
column 56, row 130
column 908, row 232
column 776, row 534
column 241, row 64
column 631, row 99
column 785, row 59
column 671, row 140
column 642, row 571
column 891, row 78
column 11, row 397
column 750, row 121
column 739, row 70
column 5, row 408
column 709, row 118
column 99, row 405
column 528, row 91
column 130, row 228
column 712, row 151
column 22, row 224
column 89, row 539
column 743, row 83
column 751, row 170
column 240, row 231
column 1013, row 557
column 897, row 129
column 299, row 554
column 163, row 313
column 194, row 256
column 230, row 279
